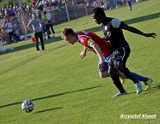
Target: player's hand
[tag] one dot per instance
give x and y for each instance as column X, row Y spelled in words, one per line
column 82, row 54
column 101, row 65
column 153, row 35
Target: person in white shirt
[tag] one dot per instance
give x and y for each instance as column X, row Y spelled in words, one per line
column 9, row 30
column 49, row 25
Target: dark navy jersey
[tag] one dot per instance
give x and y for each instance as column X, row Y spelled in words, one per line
column 113, row 32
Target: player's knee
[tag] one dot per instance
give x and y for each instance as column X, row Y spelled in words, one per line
column 110, row 72
column 103, row 74
column 120, row 66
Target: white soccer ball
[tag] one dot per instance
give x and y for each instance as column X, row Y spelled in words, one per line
column 27, row 106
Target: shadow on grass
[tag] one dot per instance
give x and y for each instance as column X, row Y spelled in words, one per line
column 51, row 96
column 154, row 88
column 142, row 18
column 46, row 110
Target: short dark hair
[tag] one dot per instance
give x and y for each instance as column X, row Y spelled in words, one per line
column 98, row 12
column 68, row 32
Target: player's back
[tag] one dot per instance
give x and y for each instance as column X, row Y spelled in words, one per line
column 103, row 44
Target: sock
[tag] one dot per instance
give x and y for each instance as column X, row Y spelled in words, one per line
column 117, row 83
column 129, row 75
column 139, row 77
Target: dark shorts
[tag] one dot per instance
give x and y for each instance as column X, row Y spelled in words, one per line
column 119, row 55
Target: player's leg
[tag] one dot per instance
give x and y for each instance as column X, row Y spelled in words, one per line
column 120, row 57
column 113, row 72
column 122, row 77
column 147, row 81
column 115, row 78
column 103, row 72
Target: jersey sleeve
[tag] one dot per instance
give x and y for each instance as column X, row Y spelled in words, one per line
column 116, row 23
column 86, row 41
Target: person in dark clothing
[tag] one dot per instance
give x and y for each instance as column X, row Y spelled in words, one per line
column 37, row 28
column 112, row 29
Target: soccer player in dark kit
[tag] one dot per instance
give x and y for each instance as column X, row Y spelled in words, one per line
column 112, row 29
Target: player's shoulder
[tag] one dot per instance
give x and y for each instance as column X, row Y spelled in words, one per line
column 82, row 33
column 115, row 22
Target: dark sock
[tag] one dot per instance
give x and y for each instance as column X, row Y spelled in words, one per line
column 139, row 77
column 129, row 75
column 117, row 83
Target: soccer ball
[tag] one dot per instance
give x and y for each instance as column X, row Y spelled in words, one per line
column 27, row 106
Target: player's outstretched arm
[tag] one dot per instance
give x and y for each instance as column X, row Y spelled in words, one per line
column 135, row 30
column 83, row 53
column 150, row 35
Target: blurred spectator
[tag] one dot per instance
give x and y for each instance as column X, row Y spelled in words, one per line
column 129, row 3
column 49, row 23
column 123, row 2
column 33, row 3
column 9, row 30
column 3, row 36
column 37, row 28
column 44, row 27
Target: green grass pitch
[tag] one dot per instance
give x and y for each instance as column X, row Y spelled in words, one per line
column 68, row 90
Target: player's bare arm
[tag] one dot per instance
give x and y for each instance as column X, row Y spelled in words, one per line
column 135, row 30
column 99, row 53
column 83, row 53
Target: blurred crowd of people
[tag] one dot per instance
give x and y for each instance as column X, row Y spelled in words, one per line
column 41, row 5
column 11, row 14
column 109, row 4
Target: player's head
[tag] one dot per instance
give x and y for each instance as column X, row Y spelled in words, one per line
column 69, row 35
column 98, row 15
